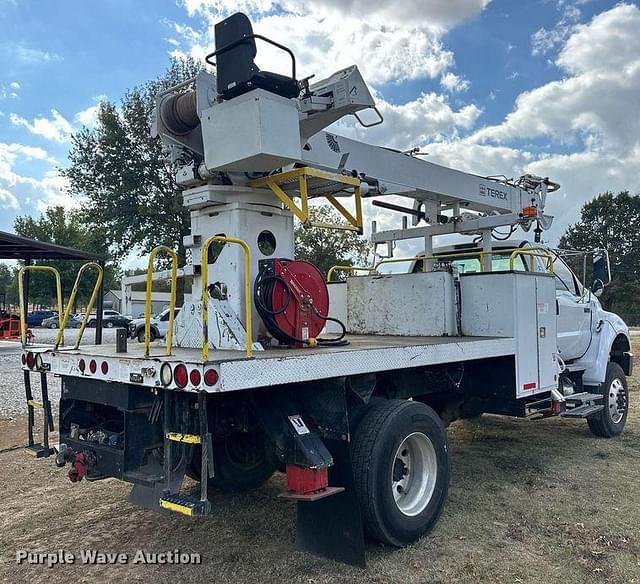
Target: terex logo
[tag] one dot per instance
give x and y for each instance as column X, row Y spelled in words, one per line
column 486, row 191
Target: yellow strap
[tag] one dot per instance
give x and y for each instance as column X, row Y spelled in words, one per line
column 175, row 507
column 35, row 404
column 188, row 438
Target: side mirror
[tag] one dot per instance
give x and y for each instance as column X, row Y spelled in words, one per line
column 597, row 288
column 601, row 271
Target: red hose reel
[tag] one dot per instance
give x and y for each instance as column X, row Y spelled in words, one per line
column 293, row 300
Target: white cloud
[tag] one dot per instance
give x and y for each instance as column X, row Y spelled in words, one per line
column 14, row 85
column 544, row 40
column 434, row 13
column 598, row 104
column 56, row 128
column 7, row 200
column 412, row 124
column 454, row 83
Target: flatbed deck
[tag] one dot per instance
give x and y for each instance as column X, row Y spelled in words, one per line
column 277, row 366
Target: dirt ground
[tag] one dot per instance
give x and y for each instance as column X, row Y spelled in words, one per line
column 530, row 501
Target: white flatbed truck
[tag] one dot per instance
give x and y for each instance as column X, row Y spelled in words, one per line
column 244, row 384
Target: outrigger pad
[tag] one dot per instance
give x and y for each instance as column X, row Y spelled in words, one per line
column 332, row 527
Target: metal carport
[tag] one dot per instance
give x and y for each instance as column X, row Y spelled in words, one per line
column 16, row 247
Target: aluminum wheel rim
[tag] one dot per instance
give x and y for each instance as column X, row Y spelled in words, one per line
column 617, row 401
column 414, row 474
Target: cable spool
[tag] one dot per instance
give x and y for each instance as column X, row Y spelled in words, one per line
column 292, row 299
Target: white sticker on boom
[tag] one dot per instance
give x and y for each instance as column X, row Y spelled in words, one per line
column 298, row 424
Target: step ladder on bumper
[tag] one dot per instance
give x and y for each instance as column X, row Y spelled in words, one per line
column 582, row 405
column 33, row 448
column 175, row 501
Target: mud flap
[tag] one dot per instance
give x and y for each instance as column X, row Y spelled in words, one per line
column 332, row 527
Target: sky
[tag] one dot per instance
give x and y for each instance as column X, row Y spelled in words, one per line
column 549, row 87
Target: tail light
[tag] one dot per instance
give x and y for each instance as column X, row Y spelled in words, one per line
column 31, row 360
column 82, row 365
column 24, row 359
column 39, row 362
column 104, row 367
column 93, row 366
column 195, row 377
column 211, row 377
column 180, row 375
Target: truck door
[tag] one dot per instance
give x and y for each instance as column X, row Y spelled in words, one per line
column 574, row 310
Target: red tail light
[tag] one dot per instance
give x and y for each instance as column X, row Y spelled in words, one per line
column 82, row 365
column 104, row 367
column 24, row 359
column 180, row 375
column 211, row 377
column 31, row 360
column 93, row 366
column 195, row 377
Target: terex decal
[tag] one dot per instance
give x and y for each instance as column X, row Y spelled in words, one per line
column 486, row 191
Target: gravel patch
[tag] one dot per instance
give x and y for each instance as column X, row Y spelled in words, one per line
column 12, row 396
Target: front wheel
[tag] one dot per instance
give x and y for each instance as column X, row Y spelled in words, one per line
column 53, row 325
column 108, row 324
column 401, row 470
column 611, row 419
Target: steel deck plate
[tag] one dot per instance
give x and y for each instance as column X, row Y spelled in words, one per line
column 364, row 354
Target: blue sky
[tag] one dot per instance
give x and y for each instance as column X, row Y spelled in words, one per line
column 495, row 87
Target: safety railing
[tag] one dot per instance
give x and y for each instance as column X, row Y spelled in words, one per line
column 205, row 291
column 72, row 299
column 23, row 317
column 514, row 254
column 532, row 252
column 172, row 300
column 351, row 269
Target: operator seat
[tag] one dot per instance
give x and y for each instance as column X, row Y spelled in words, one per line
column 236, row 71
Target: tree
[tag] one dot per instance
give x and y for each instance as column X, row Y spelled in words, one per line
column 327, row 247
column 612, row 222
column 62, row 227
column 119, row 170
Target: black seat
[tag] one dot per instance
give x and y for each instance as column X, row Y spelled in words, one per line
column 236, row 71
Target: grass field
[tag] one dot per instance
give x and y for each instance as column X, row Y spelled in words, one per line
column 530, row 501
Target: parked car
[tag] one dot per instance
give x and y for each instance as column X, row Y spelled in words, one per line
column 110, row 319
column 53, row 322
column 159, row 326
column 36, row 317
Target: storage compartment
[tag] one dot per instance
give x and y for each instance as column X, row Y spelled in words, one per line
column 420, row 304
column 520, row 305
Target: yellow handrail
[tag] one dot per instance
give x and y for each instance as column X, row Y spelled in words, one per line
column 72, row 298
column 334, row 269
column 23, row 320
column 172, row 301
column 205, row 297
column 537, row 251
column 534, row 252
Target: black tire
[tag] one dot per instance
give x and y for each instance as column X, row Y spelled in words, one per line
column 608, row 423
column 140, row 335
column 375, row 449
column 240, row 460
column 108, row 324
column 53, row 325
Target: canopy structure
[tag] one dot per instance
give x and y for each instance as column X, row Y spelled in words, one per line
column 16, row 247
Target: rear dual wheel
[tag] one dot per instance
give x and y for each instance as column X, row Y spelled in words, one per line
column 241, row 462
column 401, row 470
